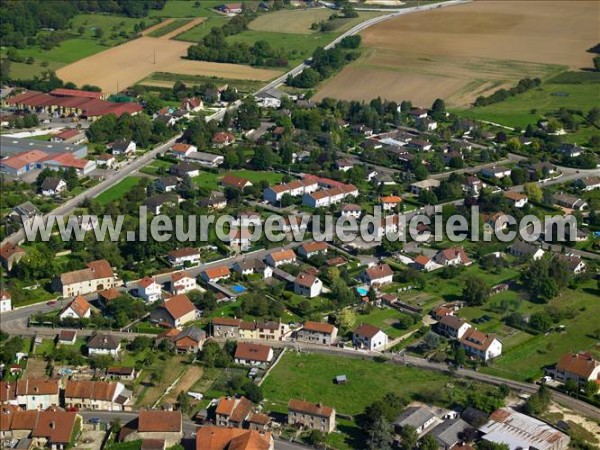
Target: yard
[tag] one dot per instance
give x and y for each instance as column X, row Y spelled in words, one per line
column 118, row 190
column 156, row 165
column 166, row 372
column 255, row 177
column 386, row 319
column 310, row 377
column 207, row 180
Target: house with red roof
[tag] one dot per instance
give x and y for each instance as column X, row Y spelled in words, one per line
column 378, row 275
column 184, row 255
column 182, row 282
column 215, row 274
column 481, row 345
column 10, row 254
column 180, row 150
column 175, row 311
column 307, row 285
column 252, row 354
column 312, row 416
column 149, row 290
column 579, row 367
column 233, row 181
column 454, row 256
column 69, row 136
column 79, row 308
column 223, row 139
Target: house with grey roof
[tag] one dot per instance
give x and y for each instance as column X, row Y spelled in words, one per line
column 449, row 433
column 419, row 417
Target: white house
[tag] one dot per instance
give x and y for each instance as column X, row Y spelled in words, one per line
column 369, row 337
column 526, row 249
column 390, row 202
column 252, row 266
column 496, row 172
column 481, row 345
column 184, row 255
column 239, row 239
column 37, row 393
column 79, row 308
column 182, row 283
column 5, row 301
column 580, row 367
column 351, row 210
column 181, row 150
column 378, row 275
column 149, row 290
column 52, row 186
column 279, row 257
column 517, row 199
column 308, row 285
column 215, row 274
column 252, row 354
column 453, row 327
column 123, row 147
column 312, row 249
column 104, row 344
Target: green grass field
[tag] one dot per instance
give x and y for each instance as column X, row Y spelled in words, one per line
column 310, row 377
column 255, row 177
column 152, row 168
column 187, row 8
column 196, row 33
column 207, row 180
column 118, row 190
column 244, row 86
column 386, row 319
column 178, row 23
column 109, row 24
column 538, row 103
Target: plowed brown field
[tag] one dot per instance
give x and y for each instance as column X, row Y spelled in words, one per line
column 460, row 52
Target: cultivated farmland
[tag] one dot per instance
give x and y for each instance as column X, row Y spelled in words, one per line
column 462, row 52
column 123, row 66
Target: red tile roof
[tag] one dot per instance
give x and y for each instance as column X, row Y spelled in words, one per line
column 380, row 271
column 91, row 390
column 79, row 305
column 313, row 409
column 178, row 306
column 305, row 279
column 76, row 93
column 318, row 327
column 156, row 421
column 55, row 425
column 313, row 247
column 218, row 438
column 366, row 330
column 234, row 181
column 252, row 352
column 8, row 250
column 283, row 255
column 581, row 364
column 217, row 272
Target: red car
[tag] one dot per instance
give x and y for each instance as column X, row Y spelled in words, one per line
column 51, row 303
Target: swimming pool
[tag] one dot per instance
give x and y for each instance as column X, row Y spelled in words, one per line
column 362, row 291
column 238, row 288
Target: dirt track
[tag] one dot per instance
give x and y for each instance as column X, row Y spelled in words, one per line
column 118, row 67
column 464, row 51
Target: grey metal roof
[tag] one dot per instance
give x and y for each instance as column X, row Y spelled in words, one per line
column 448, row 433
column 415, row 416
column 193, row 333
column 11, row 145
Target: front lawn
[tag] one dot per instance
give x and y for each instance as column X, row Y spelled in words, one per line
column 118, row 190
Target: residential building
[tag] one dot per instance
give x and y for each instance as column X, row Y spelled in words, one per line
column 312, row 249
column 184, row 169
column 252, row 354
column 104, row 344
column 79, row 308
column 180, row 150
column 122, row 373
column 331, row 196
column 205, row 159
column 253, row 266
column 108, row 295
column 312, row 416
column 308, row 285
column 317, row 333
column 233, row 411
column 369, row 337
column 453, row 327
column 149, row 290
column 52, row 186
column 157, row 202
column 417, row 113
column 422, row 262
column 5, row 301
column 449, row 433
column 239, row 239
column 215, row 201
column 10, row 254
column 166, row 184
column 573, row 262
column 175, row 311
column 273, row 194
column 182, row 282
column 587, row 184
column 189, row 340
column 97, row 276
column 226, row 327
column 280, row 257
column 570, row 202
column 191, row 104
column 183, row 256
column 481, row 345
column 519, row 431
column 425, row 185
column 123, row 147
column 217, row 438
column 454, row 256
column 223, row 139
column 96, row 395
column 66, row 337
column 579, row 367
column 571, row 150
column 37, row 393
column 378, row 275
column 24, row 213
column 158, row 424
column 69, row 136
column 215, row 274
column 52, row 428
column 517, row 199
column 390, row 202
column 235, row 182
column 496, row 172
column 525, row 249
column 270, row 98
column 473, row 185
column 419, row 417
column 351, row 210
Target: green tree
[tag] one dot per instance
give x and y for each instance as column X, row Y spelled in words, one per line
column 379, row 435
column 476, row 292
column 590, row 388
column 183, row 400
column 540, row 321
column 428, row 442
column 571, row 386
column 315, row 438
column 408, row 437
column 533, row 191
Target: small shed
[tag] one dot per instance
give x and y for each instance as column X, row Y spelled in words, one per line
column 341, row 379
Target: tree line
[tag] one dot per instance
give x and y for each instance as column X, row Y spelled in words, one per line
column 502, row 94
